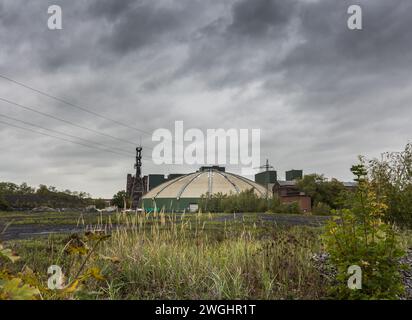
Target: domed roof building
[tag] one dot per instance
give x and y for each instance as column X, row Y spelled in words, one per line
column 185, row 192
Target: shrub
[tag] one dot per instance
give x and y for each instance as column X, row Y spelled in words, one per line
column 4, row 205
column 322, row 191
column 391, row 178
column 360, row 237
column 100, row 203
column 291, row 208
column 13, row 287
column 121, row 199
column 78, row 252
column 321, row 209
column 245, row 201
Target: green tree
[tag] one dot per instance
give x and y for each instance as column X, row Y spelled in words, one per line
column 330, row 193
column 119, row 198
column 99, row 203
column 391, row 179
column 359, row 237
column 43, row 190
column 4, row 205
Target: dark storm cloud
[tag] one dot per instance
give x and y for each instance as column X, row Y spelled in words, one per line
column 258, row 18
column 232, row 49
column 328, row 45
column 138, row 26
column 111, row 9
column 320, row 93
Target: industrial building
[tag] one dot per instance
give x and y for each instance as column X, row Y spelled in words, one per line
column 138, row 185
column 186, row 191
column 179, row 192
column 287, row 191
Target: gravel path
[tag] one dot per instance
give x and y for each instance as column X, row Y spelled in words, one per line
column 407, row 274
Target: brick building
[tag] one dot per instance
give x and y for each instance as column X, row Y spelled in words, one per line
column 288, row 192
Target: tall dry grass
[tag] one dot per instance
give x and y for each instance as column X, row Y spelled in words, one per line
column 171, row 256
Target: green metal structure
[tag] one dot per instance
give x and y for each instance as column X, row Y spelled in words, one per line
column 265, row 177
column 294, row 175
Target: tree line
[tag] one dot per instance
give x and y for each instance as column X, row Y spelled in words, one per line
column 25, row 197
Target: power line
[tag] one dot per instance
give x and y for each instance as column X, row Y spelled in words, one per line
column 122, row 153
column 67, row 122
column 65, row 134
column 63, row 139
column 84, row 109
column 73, row 105
column 105, row 148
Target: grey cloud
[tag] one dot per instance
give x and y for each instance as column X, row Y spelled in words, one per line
column 258, row 18
column 320, row 93
column 110, row 9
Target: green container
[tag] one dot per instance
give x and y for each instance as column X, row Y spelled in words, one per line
column 294, row 175
column 265, row 177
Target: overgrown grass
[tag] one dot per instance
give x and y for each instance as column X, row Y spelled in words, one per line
column 50, row 218
column 193, row 257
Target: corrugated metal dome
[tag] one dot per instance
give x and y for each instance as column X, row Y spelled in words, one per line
column 196, row 184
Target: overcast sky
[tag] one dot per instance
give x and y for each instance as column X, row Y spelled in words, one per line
column 320, row 93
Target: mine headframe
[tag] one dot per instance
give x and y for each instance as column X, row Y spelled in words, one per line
column 138, row 187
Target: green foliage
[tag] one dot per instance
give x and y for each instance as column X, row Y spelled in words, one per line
column 330, row 193
column 4, row 205
column 360, row 237
column 292, row 208
column 186, row 260
column 190, row 256
column 119, row 199
column 11, row 286
column 15, row 289
column 391, row 178
column 79, row 253
column 8, row 254
column 245, row 201
column 321, row 209
column 100, row 203
column 26, row 197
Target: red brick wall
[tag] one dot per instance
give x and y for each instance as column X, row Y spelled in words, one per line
column 304, row 202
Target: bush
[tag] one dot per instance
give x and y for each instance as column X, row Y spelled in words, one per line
column 322, row 191
column 391, row 178
column 360, row 237
column 100, row 203
column 291, row 208
column 321, row 209
column 245, row 201
column 25, row 197
column 4, row 205
column 119, row 200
